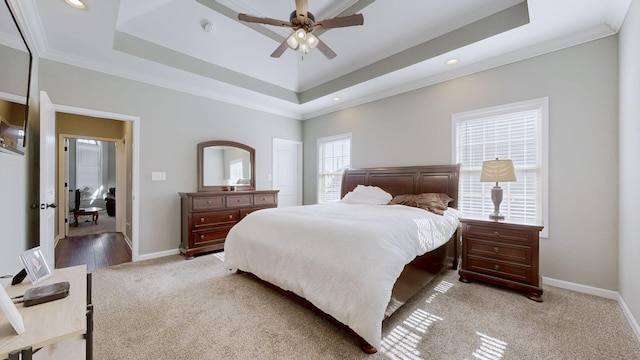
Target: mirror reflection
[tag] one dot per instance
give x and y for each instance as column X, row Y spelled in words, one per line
column 225, row 165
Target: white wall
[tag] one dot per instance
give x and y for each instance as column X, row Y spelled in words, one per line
column 629, row 188
column 171, row 125
column 13, row 205
column 582, row 85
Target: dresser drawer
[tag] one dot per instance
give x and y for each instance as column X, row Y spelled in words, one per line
column 207, row 203
column 498, row 250
column 239, row 200
column 267, row 199
column 211, row 236
column 215, row 218
column 245, row 212
column 498, row 234
column 501, row 269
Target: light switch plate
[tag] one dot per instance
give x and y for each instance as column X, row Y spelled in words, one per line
column 158, row 176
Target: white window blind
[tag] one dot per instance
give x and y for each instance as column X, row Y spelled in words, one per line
column 88, row 168
column 515, row 132
column 334, row 156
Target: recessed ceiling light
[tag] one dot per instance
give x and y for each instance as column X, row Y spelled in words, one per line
column 452, row 61
column 336, row 99
column 78, row 4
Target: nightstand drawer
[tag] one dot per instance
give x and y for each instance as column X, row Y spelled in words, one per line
column 501, row 269
column 500, row 234
column 499, row 250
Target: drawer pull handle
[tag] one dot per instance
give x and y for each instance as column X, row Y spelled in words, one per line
column 201, row 237
column 496, row 233
column 496, row 267
column 202, row 220
column 230, row 217
column 264, row 199
column 208, row 202
column 496, row 249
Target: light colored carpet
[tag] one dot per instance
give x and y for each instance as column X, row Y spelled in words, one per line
column 171, row 308
column 105, row 224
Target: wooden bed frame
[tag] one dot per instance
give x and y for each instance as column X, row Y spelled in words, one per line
column 413, row 180
column 423, row 269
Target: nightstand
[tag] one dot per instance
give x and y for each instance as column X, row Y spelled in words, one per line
column 501, row 252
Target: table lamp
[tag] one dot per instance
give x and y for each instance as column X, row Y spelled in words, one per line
column 497, row 171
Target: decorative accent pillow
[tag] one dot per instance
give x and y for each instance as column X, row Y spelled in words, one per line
column 437, row 203
column 367, row 195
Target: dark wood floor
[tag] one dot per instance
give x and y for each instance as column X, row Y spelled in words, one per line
column 96, row 251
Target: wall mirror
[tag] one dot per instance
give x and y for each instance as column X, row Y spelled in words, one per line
column 15, row 72
column 225, row 166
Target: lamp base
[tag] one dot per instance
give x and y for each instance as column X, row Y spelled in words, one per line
column 496, row 198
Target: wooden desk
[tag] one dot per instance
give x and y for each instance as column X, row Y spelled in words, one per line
column 50, row 322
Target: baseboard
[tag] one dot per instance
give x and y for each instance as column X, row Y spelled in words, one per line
column 586, row 289
column 158, row 254
column 609, row 294
column 127, row 240
column 632, row 321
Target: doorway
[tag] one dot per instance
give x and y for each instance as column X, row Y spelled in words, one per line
column 127, row 158
column 91, row 167
column 89, row 171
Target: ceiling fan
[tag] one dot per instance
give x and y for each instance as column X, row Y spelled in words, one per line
column 303, row 24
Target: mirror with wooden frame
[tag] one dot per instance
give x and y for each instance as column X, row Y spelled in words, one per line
column 225, row 166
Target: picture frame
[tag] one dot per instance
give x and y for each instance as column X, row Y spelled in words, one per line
column 35, row 265
column 11, row 311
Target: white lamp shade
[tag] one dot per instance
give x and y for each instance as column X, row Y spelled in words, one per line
column 292, row 41
column 497, row 171
column 312, row 40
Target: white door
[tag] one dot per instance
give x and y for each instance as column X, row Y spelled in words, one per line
column 47, row 178
column 287, row 171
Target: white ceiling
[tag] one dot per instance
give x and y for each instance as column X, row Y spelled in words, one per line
column 401, row 46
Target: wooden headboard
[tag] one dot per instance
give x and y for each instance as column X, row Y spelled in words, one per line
column 406, row 180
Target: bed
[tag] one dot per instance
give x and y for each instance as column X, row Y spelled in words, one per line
column 352, row 261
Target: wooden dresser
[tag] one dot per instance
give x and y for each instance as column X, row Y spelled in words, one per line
column 207, row 217
column 502, row 253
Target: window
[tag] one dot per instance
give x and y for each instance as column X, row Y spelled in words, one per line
column 89, row 169
column 514, row 131
column 334, row 156
column 235, row 170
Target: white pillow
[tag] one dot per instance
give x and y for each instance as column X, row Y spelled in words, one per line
column 367, row 195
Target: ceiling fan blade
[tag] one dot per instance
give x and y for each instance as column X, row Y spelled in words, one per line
column 301, row 9
column 262, row 20
column 326, row 50
column 344, row 21
column 280, row 50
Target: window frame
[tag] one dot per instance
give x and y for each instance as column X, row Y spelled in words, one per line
column 320, row 174
column 541, row 104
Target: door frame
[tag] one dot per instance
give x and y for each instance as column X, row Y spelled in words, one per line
column 135, row 166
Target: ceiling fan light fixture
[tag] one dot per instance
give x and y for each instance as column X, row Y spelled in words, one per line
column 301, row 34
column 312, row 40
column 292, row 41
column 304, row 48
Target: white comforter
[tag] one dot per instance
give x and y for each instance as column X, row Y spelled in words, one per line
column 343, row 258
